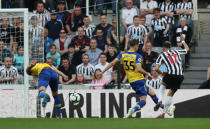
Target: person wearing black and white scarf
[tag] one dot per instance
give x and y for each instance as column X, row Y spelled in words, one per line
column 186, row 31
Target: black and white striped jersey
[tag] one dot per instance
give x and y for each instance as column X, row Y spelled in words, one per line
column 172, row 60
column 171, row 7
column 185, row 6
column 6, row 73
column 159, row 25
column 138, row 32
column 89, row 30
column 154, row 83
column 87, row 71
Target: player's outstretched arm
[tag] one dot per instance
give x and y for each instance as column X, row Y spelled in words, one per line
column 61, row 74
column 110, row 65
column 32, row 64
column 141, row 70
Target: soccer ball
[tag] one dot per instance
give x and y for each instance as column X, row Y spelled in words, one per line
column 74, row 98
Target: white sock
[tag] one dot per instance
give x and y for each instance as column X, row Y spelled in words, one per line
column 161, row 92
column 167, row 103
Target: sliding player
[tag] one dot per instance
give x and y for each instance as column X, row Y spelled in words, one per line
column 135, row 73
column 174, row 77
column 47, row 76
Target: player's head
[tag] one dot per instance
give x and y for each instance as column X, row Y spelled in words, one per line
column 31, row 65
column 136, row 20
column 134, row 44
column 8, row 62
column 166, row 46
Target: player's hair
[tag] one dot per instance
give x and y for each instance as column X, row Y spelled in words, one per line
column 134, row 42
column 71, row 46
column 52, row 45
column 102, row 54
column 136, row 16
column 156, row 9
column 167, row 44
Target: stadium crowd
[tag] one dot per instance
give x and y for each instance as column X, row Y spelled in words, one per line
column 80, row 49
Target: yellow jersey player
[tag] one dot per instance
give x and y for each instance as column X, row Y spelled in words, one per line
column 47, row 76
column 132, row 64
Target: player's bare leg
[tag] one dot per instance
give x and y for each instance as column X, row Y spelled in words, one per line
column 138, row 106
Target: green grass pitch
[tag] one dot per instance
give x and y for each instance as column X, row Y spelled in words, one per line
column 187, row 123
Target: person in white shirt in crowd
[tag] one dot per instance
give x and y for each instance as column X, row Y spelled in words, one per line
column 94, row 52
column 8, row 73
column 128, row 13
column 155, row 83
column 86, row 68
column 42, row 13
column 88, row 27
column 147, row 8
column 102, row 65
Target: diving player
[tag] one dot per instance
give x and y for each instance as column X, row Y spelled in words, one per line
column 135, row 73
column 47, row 76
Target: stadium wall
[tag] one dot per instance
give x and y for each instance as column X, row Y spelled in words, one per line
column 102, row 104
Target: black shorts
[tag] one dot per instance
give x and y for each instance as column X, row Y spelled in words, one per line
column 173, row 82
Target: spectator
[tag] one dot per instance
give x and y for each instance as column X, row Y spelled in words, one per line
column 81, row 41
column 98, row 79
column 184, row 30
column 54, row 55
column 101, row 40
column 88, row 28
column 73, row 56
column 18, row 32
column 19, row 60
column 80, row 79
column 53, row 26
column 160, row 28
column 112, row 34
column 128, row 13
column 86, row 68
column 8, row 73
column 168, row 9
column 7, row 33
column 62, row 14
column 142, row 21
column 137, row 31
column 111, row 55
column 149, row 57
column 206, row 84
column 4, row 52
column 147, row 9
column 62, row 42
column 135, row 3
column 185, row 9
column 42, row 14
column 102, row 65
column 155, row 83
column 104, row 25
column 69, row 70
column 94, row 52
column 74, row 20
column 47, row 42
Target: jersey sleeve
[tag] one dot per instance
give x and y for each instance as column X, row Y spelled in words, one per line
column 159, row 60
column 183, row 51
column 138, row 59
column 119, row 56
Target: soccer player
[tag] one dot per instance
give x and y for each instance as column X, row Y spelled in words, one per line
column 132, row 63
column 174, row 77
column 47, row 76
